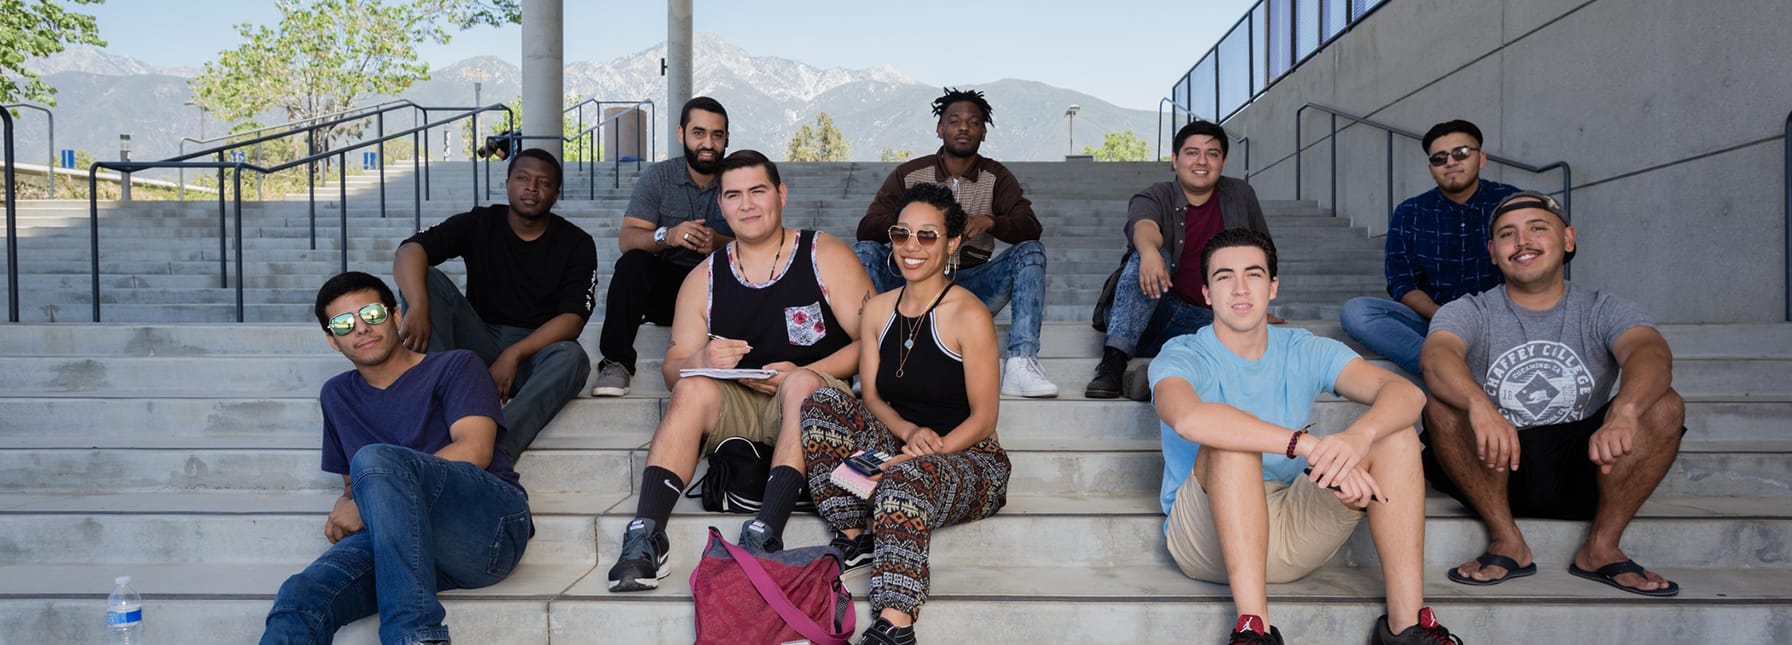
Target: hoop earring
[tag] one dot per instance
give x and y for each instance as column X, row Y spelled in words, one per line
column 890, row 264
column 951, row 265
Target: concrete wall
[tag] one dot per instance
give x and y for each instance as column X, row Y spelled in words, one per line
column 1671, row 113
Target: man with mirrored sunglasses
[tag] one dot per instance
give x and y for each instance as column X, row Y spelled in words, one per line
column 998, row 210
column 417, row 441
column 531, row 286
column 1435, row 250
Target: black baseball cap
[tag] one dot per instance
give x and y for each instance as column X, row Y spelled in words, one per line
column 1530, row 199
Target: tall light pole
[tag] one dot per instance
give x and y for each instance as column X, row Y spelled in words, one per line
column 1070, row 115
column 201, row 118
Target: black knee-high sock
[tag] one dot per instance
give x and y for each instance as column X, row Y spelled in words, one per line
column 660, row 490
column 780, row 497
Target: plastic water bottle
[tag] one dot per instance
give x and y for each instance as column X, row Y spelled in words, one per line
column 124, row 614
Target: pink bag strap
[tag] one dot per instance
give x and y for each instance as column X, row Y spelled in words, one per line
column 779, row 602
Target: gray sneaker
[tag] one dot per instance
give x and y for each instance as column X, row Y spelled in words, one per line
column 612, row 379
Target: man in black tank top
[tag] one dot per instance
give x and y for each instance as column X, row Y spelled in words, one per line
column 780, row 299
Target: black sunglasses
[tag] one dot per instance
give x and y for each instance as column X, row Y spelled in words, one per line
column 343, row 324
column 1460, row 153
column 900, row 234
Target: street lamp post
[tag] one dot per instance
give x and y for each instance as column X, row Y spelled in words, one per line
column 1070, row 115
column 124, row 177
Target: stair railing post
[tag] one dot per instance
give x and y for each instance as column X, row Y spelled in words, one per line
column 93, row 233
column 12, row 223
column 380, row 126
column 223, row 252
column 237, row 179
column 342, row 207
column 1334, row 162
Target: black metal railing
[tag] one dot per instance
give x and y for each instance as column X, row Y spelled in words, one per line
column 50, row 148
column 1272, row 39
column 1300, row 147
column 1787, row 169
column 340, row 154
column 12, row 221
column 1244, row 142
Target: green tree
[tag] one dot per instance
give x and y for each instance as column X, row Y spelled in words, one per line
column 35, row 29
column 894, row 155
column 327, row 54
column 1120, row 146
column 824, row 142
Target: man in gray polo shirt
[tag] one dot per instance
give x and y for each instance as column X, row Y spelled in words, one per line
column 672, row 222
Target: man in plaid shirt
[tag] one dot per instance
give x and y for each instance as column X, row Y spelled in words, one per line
column 1436, row 248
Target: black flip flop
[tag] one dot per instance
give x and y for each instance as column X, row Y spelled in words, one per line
column 1494, row 560
column 1608, row 574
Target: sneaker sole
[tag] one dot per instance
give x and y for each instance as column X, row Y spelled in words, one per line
column 609, row 391
column 1036, row 394
column 643, row 584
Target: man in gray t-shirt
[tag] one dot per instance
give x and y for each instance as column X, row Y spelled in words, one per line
column 672, row 222
column 1523, row 374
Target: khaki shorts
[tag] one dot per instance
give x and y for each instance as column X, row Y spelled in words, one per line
column 748, row 413
column 1307, row 526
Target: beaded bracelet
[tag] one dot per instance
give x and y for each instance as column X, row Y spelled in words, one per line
column 1295, row 440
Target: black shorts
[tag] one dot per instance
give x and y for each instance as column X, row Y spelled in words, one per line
column 1555, row 479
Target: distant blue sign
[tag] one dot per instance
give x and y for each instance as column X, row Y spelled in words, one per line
column 237, row 156
column 369, row 160
column 68, row 158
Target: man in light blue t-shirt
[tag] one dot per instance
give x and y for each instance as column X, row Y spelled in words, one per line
column 1244, row 391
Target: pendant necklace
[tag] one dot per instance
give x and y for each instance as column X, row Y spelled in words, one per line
column 909, row 333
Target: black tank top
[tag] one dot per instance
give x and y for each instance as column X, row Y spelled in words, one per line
column 930, row 392
column 786, row 319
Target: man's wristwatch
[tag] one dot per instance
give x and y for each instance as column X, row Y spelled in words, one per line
column 659, row 236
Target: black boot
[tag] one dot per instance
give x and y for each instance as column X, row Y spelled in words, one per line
column 1108, row 373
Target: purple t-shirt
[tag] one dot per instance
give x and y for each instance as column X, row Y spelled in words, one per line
column 415, row 411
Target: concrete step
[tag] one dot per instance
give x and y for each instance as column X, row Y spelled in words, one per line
column 1718, row 468
column 262, row 375
column 227, row 603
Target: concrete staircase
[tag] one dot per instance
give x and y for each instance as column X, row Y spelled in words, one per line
column 160, row 261
column 185, row 454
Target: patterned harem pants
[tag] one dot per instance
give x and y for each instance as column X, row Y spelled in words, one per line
column 913, row 498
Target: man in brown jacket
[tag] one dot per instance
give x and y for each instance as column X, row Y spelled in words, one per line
column 1167, row 225
column 992, row 197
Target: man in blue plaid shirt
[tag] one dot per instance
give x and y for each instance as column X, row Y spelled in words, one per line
column 1436, row 248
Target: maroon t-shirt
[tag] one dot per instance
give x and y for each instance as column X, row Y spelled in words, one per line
column 1201, row 223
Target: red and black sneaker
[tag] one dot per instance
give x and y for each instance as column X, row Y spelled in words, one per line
column 1249, row 631
column 1427, row 632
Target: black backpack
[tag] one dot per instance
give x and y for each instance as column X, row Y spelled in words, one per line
column 735, row 482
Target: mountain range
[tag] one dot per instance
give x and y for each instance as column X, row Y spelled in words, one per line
column 101, row 95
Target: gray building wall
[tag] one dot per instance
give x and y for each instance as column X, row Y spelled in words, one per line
column 1672, row 114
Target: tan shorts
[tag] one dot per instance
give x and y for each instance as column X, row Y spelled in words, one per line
column 1307, row 526
column 748, row 413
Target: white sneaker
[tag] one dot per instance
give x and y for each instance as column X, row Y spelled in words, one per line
column 612, row 380
column 1023, row 377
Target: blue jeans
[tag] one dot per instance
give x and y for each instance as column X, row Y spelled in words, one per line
column 1016, row 274
column 1388, row 328
column 431, row 524
column 544, row 382
column 1140, row 325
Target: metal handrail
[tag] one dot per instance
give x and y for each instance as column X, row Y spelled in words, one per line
column 1245, row 141
column 1788, row 257
column 12, row 221
column 51, row 172
column 340, row 153
column 1299, row 147
column 287, row 128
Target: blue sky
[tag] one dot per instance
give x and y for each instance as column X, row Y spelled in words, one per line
column 1127, row 52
